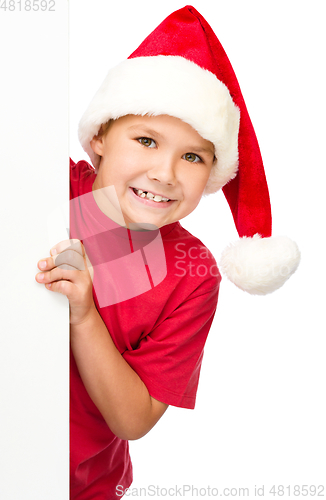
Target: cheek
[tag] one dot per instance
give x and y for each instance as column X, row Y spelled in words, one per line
column 191, row 199
column 128, row 166
column 195, row 183
column 117, row 170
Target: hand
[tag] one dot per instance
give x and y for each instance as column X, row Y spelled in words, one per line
column 69, row 271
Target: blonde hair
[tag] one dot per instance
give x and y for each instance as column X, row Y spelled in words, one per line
column 104, row 128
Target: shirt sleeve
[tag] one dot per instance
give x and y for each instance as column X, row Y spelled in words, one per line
column 168, row 360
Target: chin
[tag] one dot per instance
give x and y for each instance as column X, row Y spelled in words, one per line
column 150, row 222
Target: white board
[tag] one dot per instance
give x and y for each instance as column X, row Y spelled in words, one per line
column 34, row 460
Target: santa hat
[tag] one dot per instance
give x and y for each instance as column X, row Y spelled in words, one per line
column 182, row 70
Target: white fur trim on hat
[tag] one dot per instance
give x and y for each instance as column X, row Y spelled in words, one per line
column 175, row 86
column 260, row 265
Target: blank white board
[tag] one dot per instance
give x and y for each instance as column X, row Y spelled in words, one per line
column 34, row 460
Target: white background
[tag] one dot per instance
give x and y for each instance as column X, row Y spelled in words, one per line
column 260, row 413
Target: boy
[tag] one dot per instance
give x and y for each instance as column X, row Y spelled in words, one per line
column 162, row 130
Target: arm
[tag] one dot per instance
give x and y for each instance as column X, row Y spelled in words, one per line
column 115, row 388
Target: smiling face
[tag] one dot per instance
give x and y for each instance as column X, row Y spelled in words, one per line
column 158, row 165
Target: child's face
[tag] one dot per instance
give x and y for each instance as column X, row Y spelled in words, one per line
column 159, row 155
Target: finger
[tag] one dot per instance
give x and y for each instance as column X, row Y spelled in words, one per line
column 46, row 264
column 57, row 274
column 67, row 244
column 63, row 287
column 69, row 258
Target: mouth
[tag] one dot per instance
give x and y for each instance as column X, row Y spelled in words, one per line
column 153, row 197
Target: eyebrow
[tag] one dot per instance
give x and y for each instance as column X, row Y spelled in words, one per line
column 203, row 150
column 146, row 130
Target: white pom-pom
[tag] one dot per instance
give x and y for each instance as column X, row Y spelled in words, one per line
column 260, row 265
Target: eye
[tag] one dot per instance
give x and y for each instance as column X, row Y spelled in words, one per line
column 146, row 141
column 192, row 158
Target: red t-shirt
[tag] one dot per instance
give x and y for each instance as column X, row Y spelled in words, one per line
column 157, row 292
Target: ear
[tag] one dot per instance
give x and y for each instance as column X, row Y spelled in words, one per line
column 97, row 144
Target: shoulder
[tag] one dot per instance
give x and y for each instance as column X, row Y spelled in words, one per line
column 82, row 176
column 189, row 259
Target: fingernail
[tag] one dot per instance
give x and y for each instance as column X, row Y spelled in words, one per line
column 42, row 264
column 40, row 276
column 53, row 251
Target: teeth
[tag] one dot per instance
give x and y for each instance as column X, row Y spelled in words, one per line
column 150, row 196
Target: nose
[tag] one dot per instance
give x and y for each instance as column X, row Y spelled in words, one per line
column 164, row 170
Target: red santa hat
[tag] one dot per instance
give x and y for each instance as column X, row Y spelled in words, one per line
column 182, row 70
